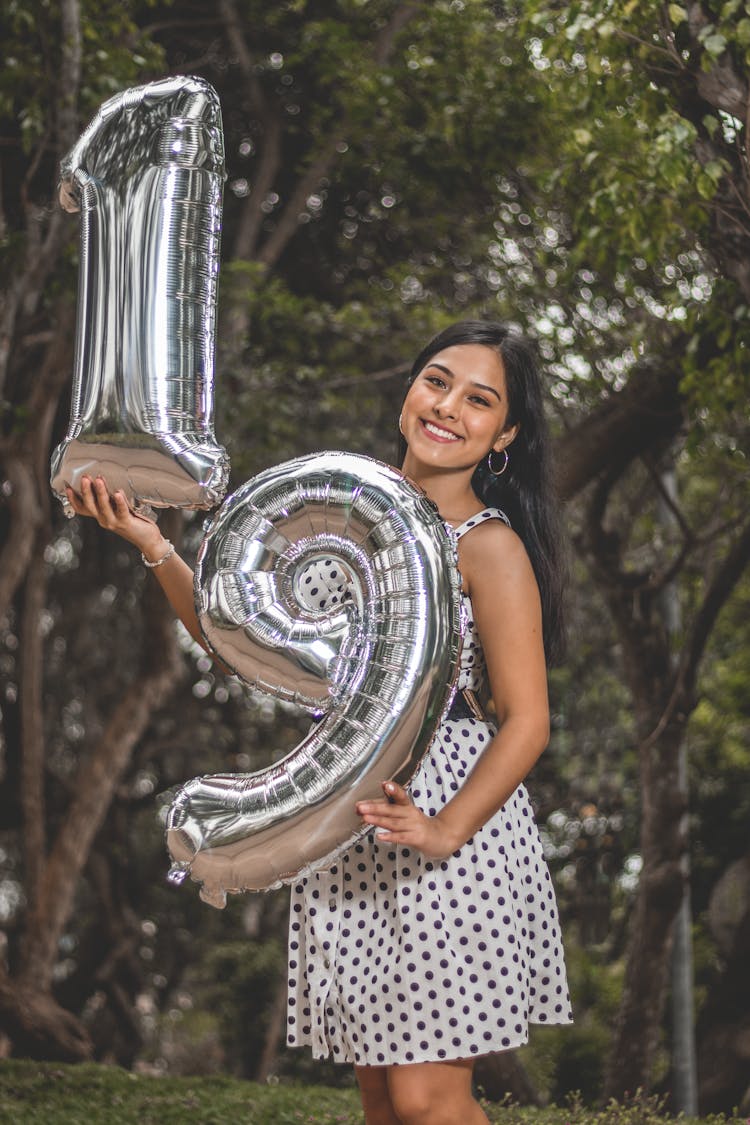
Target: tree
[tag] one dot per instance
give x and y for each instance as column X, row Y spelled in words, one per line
column 391, row 166
column 663, row 88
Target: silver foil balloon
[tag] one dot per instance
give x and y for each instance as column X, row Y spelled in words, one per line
column 379, row 668
column 147, row 176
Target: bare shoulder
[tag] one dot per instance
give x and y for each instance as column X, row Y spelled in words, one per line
column 493, row 552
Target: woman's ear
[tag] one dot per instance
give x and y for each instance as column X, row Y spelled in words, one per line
column 506, row 437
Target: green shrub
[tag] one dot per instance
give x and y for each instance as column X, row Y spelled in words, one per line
column 34, row 1093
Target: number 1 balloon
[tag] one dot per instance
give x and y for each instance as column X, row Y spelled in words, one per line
column 380, row 668
column 147, row 175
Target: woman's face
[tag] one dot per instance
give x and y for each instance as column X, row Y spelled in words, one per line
column 457, row 407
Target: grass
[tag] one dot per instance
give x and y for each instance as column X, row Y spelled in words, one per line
column 54, row 1094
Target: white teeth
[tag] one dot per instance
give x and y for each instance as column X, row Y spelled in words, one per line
column 438, row 432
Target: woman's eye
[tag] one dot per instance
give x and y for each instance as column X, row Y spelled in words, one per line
column 438, row 382
column 478, row 399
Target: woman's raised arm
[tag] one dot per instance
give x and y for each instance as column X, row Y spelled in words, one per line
column 173, row 574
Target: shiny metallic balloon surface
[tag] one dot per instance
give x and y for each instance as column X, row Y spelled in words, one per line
column 147, row 176
column 378, row 670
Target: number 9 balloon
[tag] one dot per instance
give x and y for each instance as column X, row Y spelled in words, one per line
column 147, row 176
column 380, row 668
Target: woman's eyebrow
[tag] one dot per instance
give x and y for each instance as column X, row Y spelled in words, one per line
column 480, row 386
column 491, row 390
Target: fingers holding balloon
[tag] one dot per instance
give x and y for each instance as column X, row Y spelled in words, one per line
column 397, row 820
column 395, row 811
column 112, row 512
column 68, row 197
column 85, row 502
column 75, row 502
column 94, row 500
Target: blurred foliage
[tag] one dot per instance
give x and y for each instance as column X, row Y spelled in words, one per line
column 527, row 161
column 649, row 163
column 244, row 979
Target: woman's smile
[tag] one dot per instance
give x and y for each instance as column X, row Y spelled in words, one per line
column 438, row 433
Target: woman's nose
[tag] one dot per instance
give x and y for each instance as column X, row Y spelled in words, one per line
column 448, row 406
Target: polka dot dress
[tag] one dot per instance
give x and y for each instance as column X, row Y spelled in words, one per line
column 394, row 958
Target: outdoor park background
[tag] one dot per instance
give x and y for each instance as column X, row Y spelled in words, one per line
column 578, row 168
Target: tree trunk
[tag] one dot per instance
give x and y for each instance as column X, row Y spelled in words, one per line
column 37, row 1026
column 658, row 899
column 32, row 724
column 274, row 1031
column 32, row 1018
column 93, row 792
column 662, row 689
column 503, row 1074
column 649, row 672
column 724, row 1023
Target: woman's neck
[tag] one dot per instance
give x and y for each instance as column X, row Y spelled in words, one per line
column 450, row 491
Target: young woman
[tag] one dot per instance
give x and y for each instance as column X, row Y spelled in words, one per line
column 435, row 939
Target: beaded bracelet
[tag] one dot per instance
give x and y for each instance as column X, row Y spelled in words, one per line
column 167, row 555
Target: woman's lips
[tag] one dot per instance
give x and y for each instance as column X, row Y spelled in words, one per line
column 438, row 433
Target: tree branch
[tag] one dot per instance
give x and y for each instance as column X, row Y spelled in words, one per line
column 646, row 410
column 370, row 377
column 41, row 255
column 236, row 37
column 288, row 221
column 94, row 790
column 10, row 305
column 251, row 217
column 723, row 583
column 662, row 578
column 320, row 165
column 386, row 39
column 24, row 463
column 25, row 518
column 70, row 74
column 32, row 725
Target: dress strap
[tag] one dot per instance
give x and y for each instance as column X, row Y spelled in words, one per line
column 480, row 517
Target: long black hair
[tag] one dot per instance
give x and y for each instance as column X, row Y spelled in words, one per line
column 525, row 491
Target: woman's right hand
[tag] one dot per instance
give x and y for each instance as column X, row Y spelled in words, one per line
column 114, row 514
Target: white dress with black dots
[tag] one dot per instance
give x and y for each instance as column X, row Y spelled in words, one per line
column 394, row 958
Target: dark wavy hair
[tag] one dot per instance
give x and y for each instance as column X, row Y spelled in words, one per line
column 525, row 491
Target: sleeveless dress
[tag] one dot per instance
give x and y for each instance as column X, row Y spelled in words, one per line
column 395, row 958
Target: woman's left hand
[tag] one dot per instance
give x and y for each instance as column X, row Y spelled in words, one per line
column 399, row 821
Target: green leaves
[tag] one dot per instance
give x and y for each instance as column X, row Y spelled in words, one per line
column 115, row 54
column 712, row 41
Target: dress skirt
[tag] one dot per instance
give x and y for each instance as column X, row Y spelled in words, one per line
column 394, row 958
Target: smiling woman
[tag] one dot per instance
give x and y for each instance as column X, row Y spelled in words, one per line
column 434, row 939
column 459, row 399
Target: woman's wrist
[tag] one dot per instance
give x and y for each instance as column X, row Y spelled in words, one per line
column 163, row 558
column 155, row 552
column 454, row 836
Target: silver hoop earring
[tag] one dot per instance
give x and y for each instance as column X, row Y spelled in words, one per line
column 400, row 419
column 497, row 472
